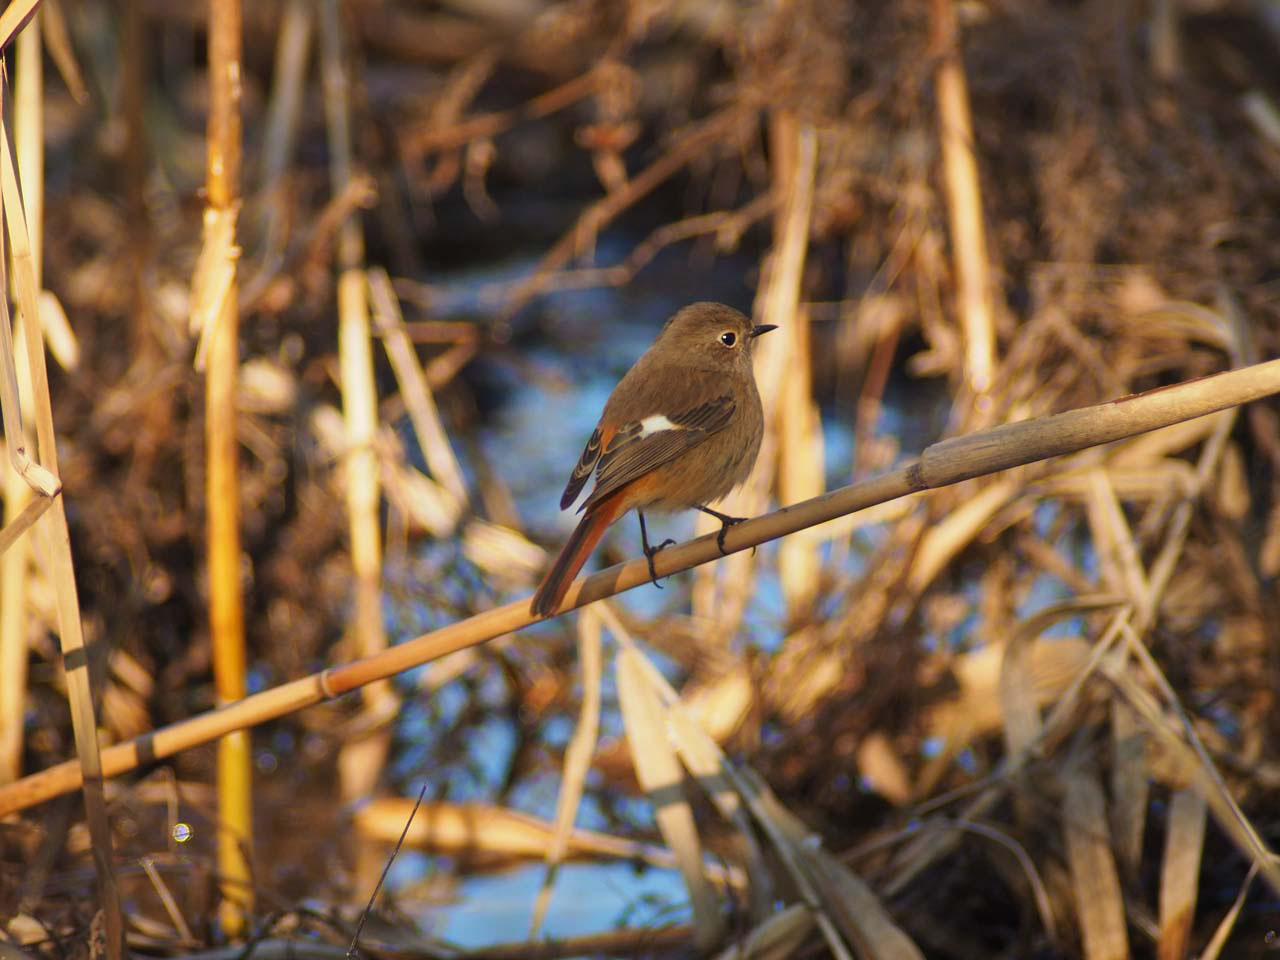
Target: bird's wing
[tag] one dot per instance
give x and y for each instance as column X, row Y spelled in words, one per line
column 642, row 444
column 586, row 464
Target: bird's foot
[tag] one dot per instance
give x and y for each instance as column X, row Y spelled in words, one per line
column 650, row 553
column 726, row 522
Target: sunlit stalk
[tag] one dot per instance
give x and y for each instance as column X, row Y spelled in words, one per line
column 226, row 611
column 361, row 761
column 56, row 542
column 29, row 142
column 964, row 209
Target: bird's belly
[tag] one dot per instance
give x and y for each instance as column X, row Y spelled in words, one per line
column 701, row 475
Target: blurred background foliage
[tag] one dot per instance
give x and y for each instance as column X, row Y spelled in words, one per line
column 536, row 186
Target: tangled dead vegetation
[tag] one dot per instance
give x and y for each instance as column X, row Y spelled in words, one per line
column 1031, row 715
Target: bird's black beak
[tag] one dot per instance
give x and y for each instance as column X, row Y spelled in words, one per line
column 762, row 328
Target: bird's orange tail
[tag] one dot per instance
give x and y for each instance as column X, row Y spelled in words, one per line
column 574, row 554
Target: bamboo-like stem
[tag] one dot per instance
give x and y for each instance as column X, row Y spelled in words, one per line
column 797, row 465
column 287, row 91
column 577, row 760
column 1166, row 46
column 1180, row 873
column 57, row 41
column 226, row 604
column 723, row 595
column 363, row 490
column 659, row 774
column 29, row 144
column 415, row 391
column 28, row 137
column 1094, row 879
column 943, row 463
column 57, row 543
column 135, row 54
column 13, row 529
column 361, row 761
column 15, row 17
column 800, row 471
column 964, row 204
column 279, row 138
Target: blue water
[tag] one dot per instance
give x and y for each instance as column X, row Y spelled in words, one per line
column 588, row 898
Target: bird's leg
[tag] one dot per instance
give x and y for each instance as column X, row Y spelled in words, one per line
column 649, row 551
column 726, row 522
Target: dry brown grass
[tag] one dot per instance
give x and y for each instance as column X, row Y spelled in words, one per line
column 1029, row 714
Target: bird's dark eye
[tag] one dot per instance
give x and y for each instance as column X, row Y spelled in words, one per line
column 728, row 338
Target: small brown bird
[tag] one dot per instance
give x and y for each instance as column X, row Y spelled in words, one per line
column 681, row 429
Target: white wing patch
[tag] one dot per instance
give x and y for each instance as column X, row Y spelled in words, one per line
column 656, row 423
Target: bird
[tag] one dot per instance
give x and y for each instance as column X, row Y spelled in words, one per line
column 681, row 429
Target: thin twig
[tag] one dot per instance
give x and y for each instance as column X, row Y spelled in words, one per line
column 353, row 950
column 583, row 233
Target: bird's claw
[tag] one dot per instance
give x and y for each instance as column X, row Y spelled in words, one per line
column 725, row 524
column 650, row 553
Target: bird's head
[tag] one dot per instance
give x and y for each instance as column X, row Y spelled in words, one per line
column 712, row 332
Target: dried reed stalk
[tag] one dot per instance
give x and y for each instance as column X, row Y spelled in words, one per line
column 148, row 355
column 702, row 755
column 946, row 462
column 361, row 760
column 28, row 137
column 1213, row 949
column 29, row 144
column 1180, row 872
column 21, row 511
column 847, row 911
column 721, row 594
column 1094, row 878
column 799, row 466
column 1121, row 567
column 1166, row 42
column 577, row 758
column 58, row 42
column 660, row 776
column 288, row 86
column 964, row 204
column 1135, row 616
column 416, row 392
column 15, row 17
column 15, row 528
column 57, row 542
column 493, row 835
column 284, row 112
column 1184, row 745
column 779, row 937
column 222, row 487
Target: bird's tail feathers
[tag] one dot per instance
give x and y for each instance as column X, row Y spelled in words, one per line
column 574, row 554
